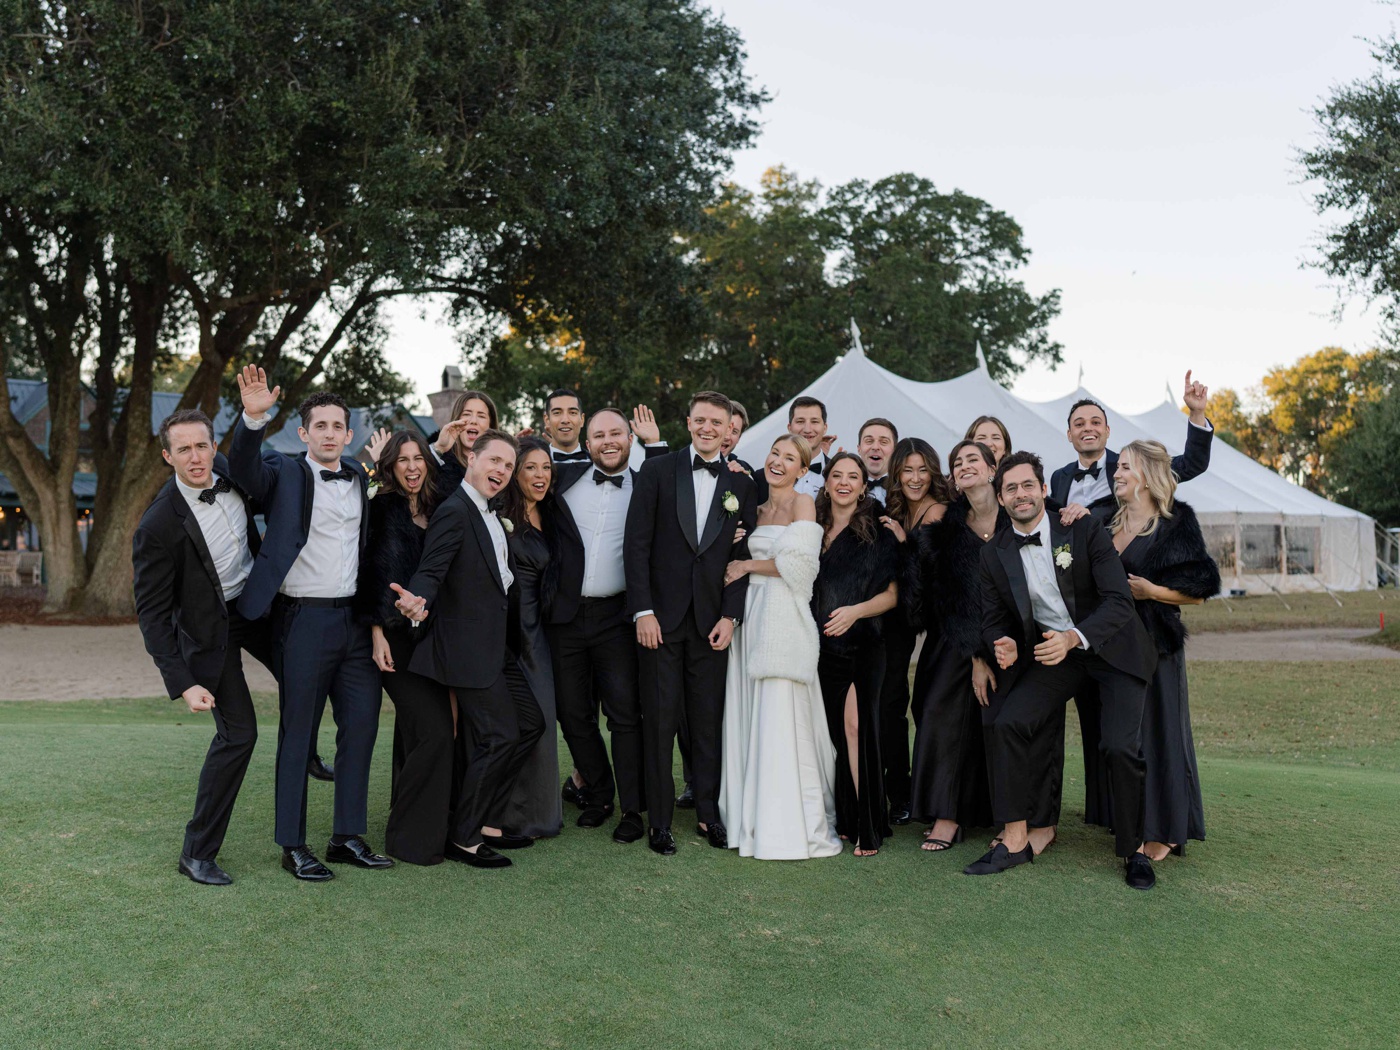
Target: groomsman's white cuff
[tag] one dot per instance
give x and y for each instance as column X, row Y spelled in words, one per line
column 648, row 612
column 1208, row 428
column 654, row 444
column 436, row 454
column 255, row 424
column 1083, row 642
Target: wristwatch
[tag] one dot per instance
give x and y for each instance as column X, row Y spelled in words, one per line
column 735, row 620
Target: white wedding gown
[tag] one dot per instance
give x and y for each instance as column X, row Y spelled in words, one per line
column 777, row 785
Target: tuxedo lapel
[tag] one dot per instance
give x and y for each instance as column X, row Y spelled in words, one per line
column 362, row 479
column 1010, row 557
column 685, row 499
column 192, row 530
column 483, row 539
column 1060, row 537
column 308, row 495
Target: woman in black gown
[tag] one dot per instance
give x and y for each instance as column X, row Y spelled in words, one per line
column 534, row 808
column 855, row 587
column 420, row 796
column 1160, row 542
column 918, row 494
column 955, row 681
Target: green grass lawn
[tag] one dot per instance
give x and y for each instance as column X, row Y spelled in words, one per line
column 1272, row 612
column 1279, row 931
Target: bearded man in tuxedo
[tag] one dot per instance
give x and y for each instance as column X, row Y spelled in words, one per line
column 681, row 523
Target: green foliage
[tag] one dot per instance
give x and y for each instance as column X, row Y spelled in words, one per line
column 1366, row 463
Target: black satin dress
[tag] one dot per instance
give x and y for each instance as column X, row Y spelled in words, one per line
column 1174, row 811
column 534, row 807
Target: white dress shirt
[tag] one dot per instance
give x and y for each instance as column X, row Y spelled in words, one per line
column 810, row 483
column 497, row 531
column 879, row 492
column 1047, row 603
column 600, row 511
column 224, row 526
column 330, row 561
column 705, row 484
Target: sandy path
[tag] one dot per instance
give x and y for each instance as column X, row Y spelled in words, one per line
column 1319, row 643
column 80, row 663
column 76, row 663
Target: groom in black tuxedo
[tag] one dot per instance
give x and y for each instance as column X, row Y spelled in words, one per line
column 1058, row 613
column 681, row 521
column 192, row 554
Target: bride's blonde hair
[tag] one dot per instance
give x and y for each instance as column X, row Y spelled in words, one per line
column 1153, row 465
column 797, row 441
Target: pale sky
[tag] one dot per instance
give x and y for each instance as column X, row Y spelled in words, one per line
column 1148, row 153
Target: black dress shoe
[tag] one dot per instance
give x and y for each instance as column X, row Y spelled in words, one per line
column 716, row 833
column 571, row 792
column 660, row 840
column 356, row 851
column 302, row 863
column 899, row 815
column 320, row 770
column 686, row 799
column 484, row 857
column 1138, row 873
column 204, row 872
column 595, row 815
column 999, row 859
column 508, row 841
column 629, row 829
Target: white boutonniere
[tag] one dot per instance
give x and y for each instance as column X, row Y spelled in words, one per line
column 730, row 503
column 508, row 525
column 372, row 491
column 1063, row 558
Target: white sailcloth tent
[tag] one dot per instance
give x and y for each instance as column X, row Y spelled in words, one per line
column 1266, row 533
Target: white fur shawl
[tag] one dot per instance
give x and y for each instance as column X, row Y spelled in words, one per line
column 786, row 644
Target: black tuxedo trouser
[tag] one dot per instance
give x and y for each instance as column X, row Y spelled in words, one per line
column 682, row 675
column 420, row 799
column 595, row 656
column 319, row 652
column 499, row 728
column 1036, row 703
column 235, row 733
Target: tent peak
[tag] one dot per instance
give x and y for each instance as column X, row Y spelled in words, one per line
column 982, row 360
column 857, row 347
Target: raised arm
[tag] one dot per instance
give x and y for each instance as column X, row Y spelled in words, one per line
column 253, row 474
column 440, row 547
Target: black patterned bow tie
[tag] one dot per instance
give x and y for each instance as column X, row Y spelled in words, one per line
column 343, row 474
column 1087, row 472
column 599, row 478
column 1033, row 540
column 220, row 485
column 701, row 464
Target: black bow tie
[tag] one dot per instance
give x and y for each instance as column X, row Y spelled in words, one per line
column 220, row 485
column 343, row 474
column 816, row 468
column 577, row 455
column 700, row 464
column 878, row 483
column 1087, row 472
column 1033, row 540
column 599, row 478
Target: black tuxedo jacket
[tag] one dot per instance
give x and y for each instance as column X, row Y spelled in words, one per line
column 1096, row 594
column 464, row 641
column 570, row 473
column 179, row 603
column 1192, row 462
column 669, row 568
column 285, row 489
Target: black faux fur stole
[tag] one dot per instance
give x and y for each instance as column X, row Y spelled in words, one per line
column 1178, row 560
column 395, row 545
column 949, row 581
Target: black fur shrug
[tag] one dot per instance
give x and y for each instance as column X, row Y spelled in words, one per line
column 1177, row 559
column 395, row 545
column 853, row 572
column 944, row 581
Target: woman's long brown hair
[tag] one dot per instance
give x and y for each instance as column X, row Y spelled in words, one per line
column 865, row 523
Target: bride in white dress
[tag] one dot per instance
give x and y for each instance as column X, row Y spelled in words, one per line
column 777, row 784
